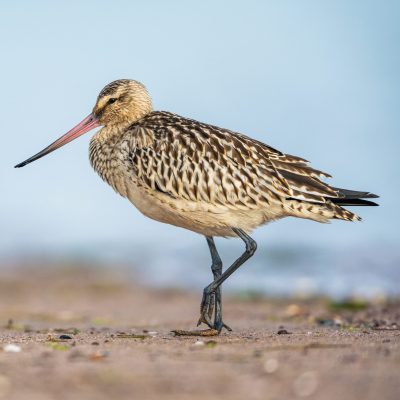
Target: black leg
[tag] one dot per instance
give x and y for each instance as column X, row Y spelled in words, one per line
column 215, row 305
column 212, row 291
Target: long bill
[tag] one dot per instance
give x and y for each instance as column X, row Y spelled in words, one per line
column 84, row 126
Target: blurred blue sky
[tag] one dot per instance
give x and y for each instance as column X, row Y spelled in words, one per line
column 315, row 79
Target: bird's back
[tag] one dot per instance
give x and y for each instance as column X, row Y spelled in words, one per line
column 204, row 175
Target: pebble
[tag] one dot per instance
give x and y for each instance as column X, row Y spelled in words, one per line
column 199, row 343
column 98, row 355
column 11, row 348
column 65, row 337
column 271, row 365
column 283, row 332
column 338, row 321
column 294, row 310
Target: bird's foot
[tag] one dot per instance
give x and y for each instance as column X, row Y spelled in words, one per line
column 207, row 309
column 219, row 325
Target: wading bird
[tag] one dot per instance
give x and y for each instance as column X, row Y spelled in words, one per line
column 200, row 177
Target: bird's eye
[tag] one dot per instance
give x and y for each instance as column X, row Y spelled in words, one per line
column 112, row 100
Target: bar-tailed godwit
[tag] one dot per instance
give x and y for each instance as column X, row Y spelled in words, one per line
column 203, row 178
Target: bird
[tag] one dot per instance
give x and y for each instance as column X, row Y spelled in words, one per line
column 197, row 176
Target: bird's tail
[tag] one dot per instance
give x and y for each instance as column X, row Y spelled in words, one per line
column 349, row 198
column 354, row 198
column 332, row 208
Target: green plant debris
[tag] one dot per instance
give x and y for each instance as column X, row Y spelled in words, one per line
column 349, row 304
column 57, row 346
column 350, row 328
column 131, row 336
column 57, row 339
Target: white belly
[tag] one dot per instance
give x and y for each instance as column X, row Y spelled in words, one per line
column 200, row 217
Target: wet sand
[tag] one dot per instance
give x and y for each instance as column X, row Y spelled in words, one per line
column 87, row 333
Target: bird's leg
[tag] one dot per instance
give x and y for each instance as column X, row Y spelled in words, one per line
column 216, row 268
column 215, row 305
column 211, row 291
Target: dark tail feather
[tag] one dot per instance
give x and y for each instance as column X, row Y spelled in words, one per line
column 353, row 194
column 354, row 198
column 353, row 202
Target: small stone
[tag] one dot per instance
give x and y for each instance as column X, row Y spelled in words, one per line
column 95, row 343
column 271, row 365
column 99, row 355
column 338, row 321
column 294, row 310
column 11, row 348
column 283, row 332
column 65, row 337
column 199, row 343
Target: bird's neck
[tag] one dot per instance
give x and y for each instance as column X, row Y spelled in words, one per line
column 111, row 131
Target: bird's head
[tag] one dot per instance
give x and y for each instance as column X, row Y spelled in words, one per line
column 120, row 103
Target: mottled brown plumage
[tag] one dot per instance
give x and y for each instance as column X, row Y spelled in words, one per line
column 200, row 177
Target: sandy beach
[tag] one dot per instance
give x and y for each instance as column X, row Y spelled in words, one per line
column 88, row 333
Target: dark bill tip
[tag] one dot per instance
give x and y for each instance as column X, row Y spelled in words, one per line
column 84, row 126
column 28, row 161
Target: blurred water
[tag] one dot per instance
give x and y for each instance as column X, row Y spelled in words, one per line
column 275, row 270
column 283, row 271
